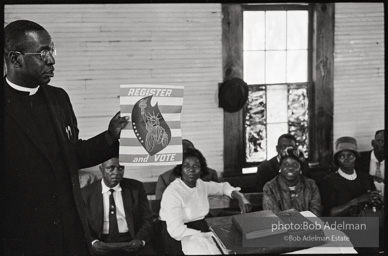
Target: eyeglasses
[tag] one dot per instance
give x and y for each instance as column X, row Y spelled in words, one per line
column 288, row 147
column 44, row 54
column 350, row 157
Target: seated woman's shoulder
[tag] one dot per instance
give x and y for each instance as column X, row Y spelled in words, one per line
column 309, row 181
column 331, row 175
column 363, row 174
column 175, row 187
column 270, row 184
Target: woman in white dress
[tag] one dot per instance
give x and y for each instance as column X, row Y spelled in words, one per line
column 185, row 202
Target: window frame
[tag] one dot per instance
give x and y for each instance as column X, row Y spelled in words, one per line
column 286, row 7
column 320, row 78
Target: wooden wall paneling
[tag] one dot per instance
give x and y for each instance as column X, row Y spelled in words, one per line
column 232, row 32
column 313, row 153
column 321, row 116
column 359, row 83
column 101, row 46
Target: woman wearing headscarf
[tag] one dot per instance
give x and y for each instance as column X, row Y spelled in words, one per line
column 290, row 189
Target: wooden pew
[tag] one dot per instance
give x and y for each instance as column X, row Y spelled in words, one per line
column 149, row 188
column 219, row 203
column 224, row 202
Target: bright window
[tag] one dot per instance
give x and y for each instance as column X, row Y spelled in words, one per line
column 275, row 66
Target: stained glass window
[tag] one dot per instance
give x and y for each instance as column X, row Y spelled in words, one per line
column 276, row 70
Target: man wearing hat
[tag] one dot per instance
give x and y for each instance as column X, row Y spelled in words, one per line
column 346, row 189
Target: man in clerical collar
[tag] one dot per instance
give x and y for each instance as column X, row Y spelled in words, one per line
column 42, row 211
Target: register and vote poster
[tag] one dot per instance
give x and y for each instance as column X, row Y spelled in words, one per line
column 153, row 135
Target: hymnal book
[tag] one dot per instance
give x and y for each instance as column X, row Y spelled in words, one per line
column 260, row 224
column 220, row 245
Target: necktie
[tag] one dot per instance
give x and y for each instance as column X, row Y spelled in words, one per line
column 378, row 171
column 113, row 226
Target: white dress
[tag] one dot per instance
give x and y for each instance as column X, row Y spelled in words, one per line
column 181, row 204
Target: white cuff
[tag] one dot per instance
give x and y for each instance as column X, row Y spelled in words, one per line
column 188, row 232
column 228, row 189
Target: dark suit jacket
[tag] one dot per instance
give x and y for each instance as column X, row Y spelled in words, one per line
column 30, row 211
column 136, row 207
column 266, row 171
column 363, row 162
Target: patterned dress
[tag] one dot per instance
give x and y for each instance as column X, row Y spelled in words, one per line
column 277, row 196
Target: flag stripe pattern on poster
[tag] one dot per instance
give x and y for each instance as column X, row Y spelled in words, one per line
column 153, row 135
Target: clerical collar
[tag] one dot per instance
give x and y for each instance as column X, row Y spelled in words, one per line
column 352, row 176
column 32, row 91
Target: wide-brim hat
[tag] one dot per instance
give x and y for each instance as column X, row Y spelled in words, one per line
column 345, row 143
column 233, row 94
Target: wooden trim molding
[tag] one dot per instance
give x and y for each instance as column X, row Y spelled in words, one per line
column 232, row 33
column 321, row 109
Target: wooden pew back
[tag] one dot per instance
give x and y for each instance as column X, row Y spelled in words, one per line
column 219, row 203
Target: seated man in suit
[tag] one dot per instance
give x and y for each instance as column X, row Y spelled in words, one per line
column 373, row 161
column 167, row 177
column 269, row 169
column 119, row 216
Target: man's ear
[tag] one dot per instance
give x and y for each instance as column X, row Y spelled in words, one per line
column 278, row 149
column 13, row 58
column 373, row 143
column 101, row 168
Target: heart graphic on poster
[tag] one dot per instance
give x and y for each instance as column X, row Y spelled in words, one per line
column 149, row 126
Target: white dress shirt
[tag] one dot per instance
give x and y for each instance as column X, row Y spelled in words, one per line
column 372, row 171
column 181, row 204
column 372, row 166
column 120, row 213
